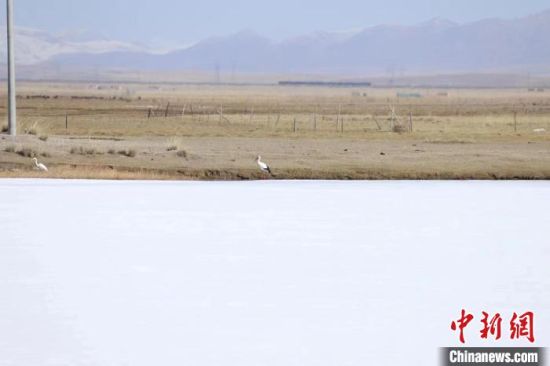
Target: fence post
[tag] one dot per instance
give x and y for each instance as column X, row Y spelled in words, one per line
column 149, row 114
column 294, row 124
column 516, row 122
column 410, row 122
column 66, row 121
column 166, row 112
column 338, row 118
column 377, row 123
column 315, row 120
column 392, row 123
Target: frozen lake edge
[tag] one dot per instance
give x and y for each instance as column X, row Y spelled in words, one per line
column 265, row 272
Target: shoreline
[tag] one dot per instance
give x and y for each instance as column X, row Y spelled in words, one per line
column 101, row 172
column 233, row 158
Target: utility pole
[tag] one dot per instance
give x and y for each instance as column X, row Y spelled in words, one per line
column 12, row 115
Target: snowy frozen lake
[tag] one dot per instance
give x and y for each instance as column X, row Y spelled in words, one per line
column 264, row 273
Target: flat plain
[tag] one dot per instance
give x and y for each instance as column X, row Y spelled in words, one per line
column 201, row 131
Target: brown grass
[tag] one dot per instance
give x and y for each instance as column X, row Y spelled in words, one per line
column 129, row 153
column 257, row 111
column 33, row 130
column 467, row 134
column 10, row 149
column 27, row 153
column 85, row 151
column 400, row 129
column 119, row 173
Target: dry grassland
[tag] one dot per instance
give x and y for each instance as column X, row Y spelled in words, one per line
column 138, row 131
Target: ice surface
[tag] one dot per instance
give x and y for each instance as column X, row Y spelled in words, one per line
column 264, row 273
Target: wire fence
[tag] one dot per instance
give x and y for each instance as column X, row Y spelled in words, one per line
column 102, row 115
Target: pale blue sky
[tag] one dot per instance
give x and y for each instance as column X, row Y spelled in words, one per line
column 176, row 21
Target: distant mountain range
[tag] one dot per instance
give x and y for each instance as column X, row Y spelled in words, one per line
column 35, row 46
column 438, row 45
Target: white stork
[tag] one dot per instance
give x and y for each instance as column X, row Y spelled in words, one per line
column 39, row 166
column 263, row 166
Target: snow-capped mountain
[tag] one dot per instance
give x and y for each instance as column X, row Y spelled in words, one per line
column 437, row 45
column 34, row 46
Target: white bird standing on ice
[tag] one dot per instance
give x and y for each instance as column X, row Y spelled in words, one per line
column 263, row 166
column 39, row 166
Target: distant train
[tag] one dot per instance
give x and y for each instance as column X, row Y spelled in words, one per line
column 338, row 84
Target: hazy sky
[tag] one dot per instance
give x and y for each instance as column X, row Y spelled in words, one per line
column 177, row 21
